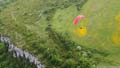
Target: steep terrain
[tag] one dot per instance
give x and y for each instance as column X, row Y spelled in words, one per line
column 45, row 29
column 102, row 24
column 7, row 60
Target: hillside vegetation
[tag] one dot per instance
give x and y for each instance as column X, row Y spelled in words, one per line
column 45, row 28
column 7, row 60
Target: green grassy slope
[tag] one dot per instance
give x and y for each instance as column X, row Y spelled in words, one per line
column 4, row 3
column 35, row 26
column 28, row 25
column 100, row 23
column 102, row 16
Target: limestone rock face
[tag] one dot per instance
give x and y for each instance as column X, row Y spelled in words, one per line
column 17, row 52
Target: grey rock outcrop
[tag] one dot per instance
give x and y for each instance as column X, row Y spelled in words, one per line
column 17, row 52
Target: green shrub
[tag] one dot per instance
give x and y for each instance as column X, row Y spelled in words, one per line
column 69, row 63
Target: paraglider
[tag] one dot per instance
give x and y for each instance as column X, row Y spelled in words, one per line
column 78, row 18
column 81, row 32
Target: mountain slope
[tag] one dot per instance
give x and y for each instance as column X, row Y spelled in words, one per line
column 7, row 60
column 45, row 28
column 102, row 23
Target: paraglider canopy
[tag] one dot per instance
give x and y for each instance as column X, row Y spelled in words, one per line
column 77, row 19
